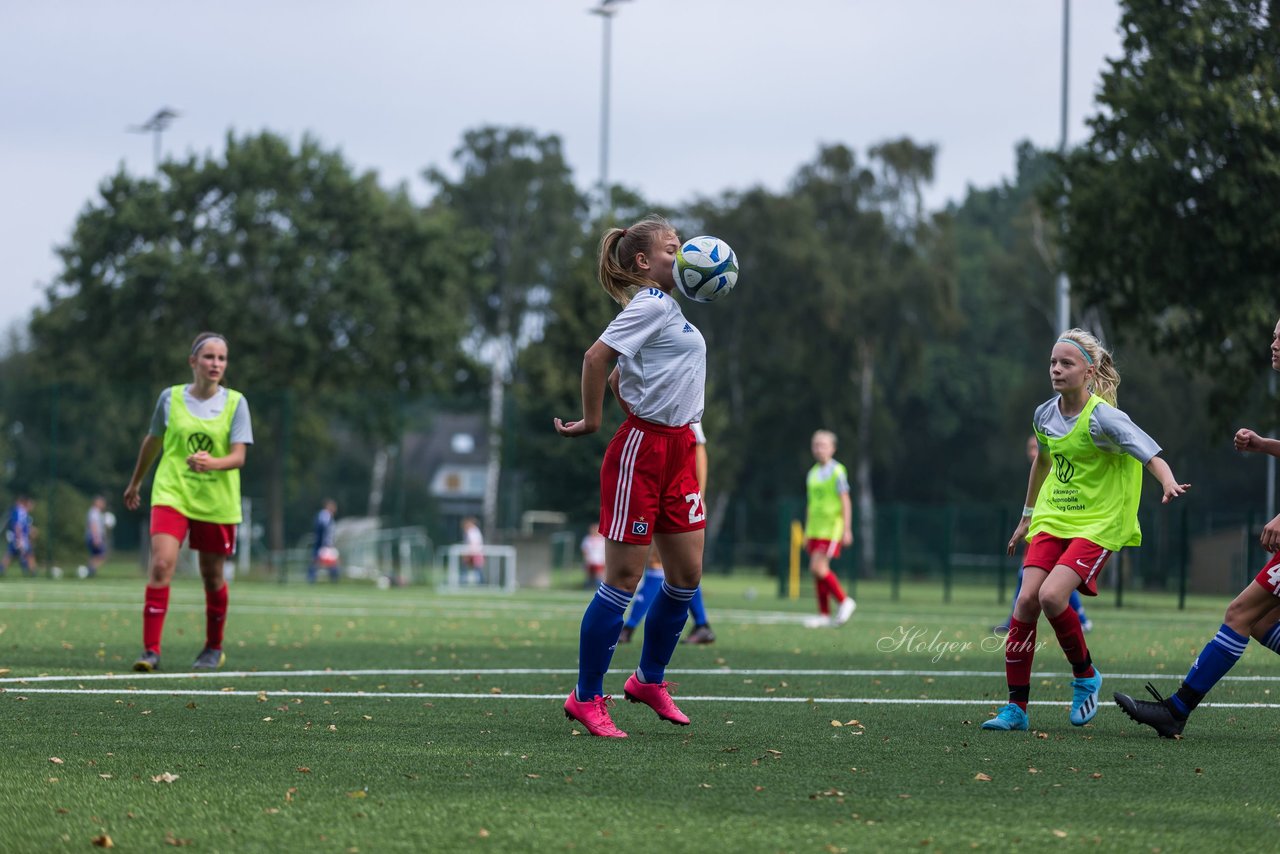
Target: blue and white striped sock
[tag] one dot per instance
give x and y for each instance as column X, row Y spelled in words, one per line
column 1271, row 640
column 601, row 625
column 1218, row 656
column 662, row 629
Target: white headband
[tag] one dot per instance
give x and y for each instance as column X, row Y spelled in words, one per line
column 196, row 348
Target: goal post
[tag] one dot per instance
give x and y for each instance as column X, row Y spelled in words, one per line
column 488, row 568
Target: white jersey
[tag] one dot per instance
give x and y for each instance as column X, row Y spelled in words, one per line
column 593, row 549
column 663, row 363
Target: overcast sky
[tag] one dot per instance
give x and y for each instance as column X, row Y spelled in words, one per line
column 708, row 95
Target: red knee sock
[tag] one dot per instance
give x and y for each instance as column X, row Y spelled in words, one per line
column 1071, row 638
column 215, row 613
column 1019, row 652
column 153, row 613
column 833, row 586
column 820, row 587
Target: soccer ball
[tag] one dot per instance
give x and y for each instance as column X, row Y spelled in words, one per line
column 705, row 268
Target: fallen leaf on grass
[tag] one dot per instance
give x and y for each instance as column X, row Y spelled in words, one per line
column 105, row 776
column 773, row 752
column 1061, row 834
column 103, row 841
column 495, row 690
column 367, row 717
column 55, row 760
column 483, row 834
column 333, row 727
column 534, row 776
column 170, row 839
column 4, row 671
column 1042, row 735
column 191, row 705
column 271, row 810
column 262, row 696
column 836, row 723
column 1095, row 776
column 359, row 793
column 302, row 769
column 704, row 785
column 166, row 777
column 985, row 778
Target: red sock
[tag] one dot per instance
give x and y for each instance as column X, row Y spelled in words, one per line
column 833, row 586
column 1019, row 651
column 153, row 613
column 820, row 586
column 1071, row 638
column 215, row 616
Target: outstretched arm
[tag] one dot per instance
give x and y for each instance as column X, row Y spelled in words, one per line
column 1250, row 442
column 1161, row 471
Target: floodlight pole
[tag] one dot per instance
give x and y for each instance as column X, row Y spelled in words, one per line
column 157, row 125
column 1063, row 286
column 606, row 10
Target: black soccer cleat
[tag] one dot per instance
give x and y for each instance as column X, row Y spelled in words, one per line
column 1156, row 715
column 147, row 662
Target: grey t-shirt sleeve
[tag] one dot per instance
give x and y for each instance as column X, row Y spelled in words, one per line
column 160, row 417
column 241, row 425
column 1112, row 430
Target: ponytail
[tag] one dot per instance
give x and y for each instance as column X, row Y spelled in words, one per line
column 619, row 276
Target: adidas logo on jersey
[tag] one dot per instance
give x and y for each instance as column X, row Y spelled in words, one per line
column 687, row 328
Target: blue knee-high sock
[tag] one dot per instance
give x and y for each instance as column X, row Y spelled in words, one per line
column 601, row 625
column 697, row 610
column 645, row 593
column 1017, row 588
column 1077, row 605
column 662, row 630
column 1271, row 640
column 1218, row 656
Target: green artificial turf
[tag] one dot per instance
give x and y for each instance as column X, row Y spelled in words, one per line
column 349, row 718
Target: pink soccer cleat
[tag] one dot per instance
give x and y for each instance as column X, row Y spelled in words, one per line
column 656, row 697
column 593, row 714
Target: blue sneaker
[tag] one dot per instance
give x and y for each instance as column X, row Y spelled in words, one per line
column 1010, row 717
column 1084, row 698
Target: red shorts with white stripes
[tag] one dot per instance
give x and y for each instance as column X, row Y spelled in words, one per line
column 1085, row 557
column 1269, row 577
column 649, row 484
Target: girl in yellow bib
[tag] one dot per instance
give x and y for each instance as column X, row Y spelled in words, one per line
column 200, row 433
column 1081, row 507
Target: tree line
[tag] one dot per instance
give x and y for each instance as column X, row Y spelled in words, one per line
column 920, row 336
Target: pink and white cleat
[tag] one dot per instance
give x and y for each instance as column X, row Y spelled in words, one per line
column 656, row 697
column 593, row 714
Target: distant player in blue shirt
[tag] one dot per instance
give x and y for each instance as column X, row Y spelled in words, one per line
column 323, row 552
column 17, row 531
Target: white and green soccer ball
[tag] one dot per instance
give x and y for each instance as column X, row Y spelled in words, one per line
column 706, row 268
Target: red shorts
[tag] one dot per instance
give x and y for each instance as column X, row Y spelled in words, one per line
column 648, row 483
column 209, row 537
column 1269, row 577
column 830, row 548
column 1087, row 558
column 474, row 561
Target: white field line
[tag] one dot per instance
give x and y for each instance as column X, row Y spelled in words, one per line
column 560, row 671
column 487, row 610
column 428, row 695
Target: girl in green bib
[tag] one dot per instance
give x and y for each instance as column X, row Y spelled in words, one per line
column 200, row 433
column 1081, row 507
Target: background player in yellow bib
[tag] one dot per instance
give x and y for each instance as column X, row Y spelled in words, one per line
column 828, row 526
column 1081, row 507
column 200, row 432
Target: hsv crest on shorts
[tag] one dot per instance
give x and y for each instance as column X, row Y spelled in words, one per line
column 639, row 529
